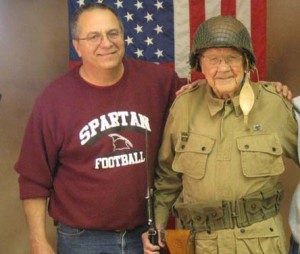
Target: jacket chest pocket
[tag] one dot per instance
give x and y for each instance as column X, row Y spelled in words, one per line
column 261, row 155
column 191, row 155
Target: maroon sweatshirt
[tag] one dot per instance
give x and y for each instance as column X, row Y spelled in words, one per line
column 84, row 146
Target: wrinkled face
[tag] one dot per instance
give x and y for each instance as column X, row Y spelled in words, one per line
column 100, row 41
column 224, row 70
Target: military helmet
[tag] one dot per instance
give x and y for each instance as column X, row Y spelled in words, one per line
column 221, row 32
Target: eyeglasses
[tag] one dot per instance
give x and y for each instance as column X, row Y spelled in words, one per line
column 215, row 60
column 97, row 38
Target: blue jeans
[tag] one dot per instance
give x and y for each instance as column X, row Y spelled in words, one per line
column 294, row 247
column 81, row 241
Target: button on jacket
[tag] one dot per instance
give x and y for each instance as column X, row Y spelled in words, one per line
column 209, row 153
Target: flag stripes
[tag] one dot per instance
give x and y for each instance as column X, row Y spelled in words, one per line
column 187, row 15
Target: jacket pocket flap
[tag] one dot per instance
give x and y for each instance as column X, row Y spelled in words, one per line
column 196, row 144
column 261, row 143
column 262, row 229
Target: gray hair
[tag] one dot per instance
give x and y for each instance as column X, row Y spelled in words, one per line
column 90, row 7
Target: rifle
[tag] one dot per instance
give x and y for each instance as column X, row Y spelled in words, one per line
column 152, row 230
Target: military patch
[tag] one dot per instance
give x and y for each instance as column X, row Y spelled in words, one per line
column 257, row 127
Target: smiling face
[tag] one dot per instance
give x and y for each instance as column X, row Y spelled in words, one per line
column 106, row 53
column 224, row 70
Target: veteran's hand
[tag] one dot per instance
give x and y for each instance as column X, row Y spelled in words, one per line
column 149, row 248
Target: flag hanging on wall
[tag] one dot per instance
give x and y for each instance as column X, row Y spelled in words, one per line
column 161, row 31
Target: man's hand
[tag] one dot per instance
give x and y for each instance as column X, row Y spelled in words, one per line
column 284, row 90
column 35, row 212
column 41, row 248
column 190, row 85
column 150, row 248
column 186, row 87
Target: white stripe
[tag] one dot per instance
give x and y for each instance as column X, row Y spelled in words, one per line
column 212, row 8
column 243, row 12
column 181, row 37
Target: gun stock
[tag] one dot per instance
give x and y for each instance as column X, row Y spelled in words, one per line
column 180, row 241
column 152, row 230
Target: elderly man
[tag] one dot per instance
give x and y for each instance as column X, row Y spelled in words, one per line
column 222, row 149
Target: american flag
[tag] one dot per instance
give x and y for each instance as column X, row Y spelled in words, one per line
column 161, row 31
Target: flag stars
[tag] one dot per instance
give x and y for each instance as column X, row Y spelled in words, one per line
column 158, row 5
column 129, row 40
column 139, row 53
column 139, row 5
column 158, row 29
column 149, row 17
column 145, row 37
column 129, row 16
column 119, row 4
column 80, row 2
column 138, row 29
column 159, row 53
column 149, row 41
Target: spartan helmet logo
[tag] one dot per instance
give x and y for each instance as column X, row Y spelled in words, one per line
column 120, row 142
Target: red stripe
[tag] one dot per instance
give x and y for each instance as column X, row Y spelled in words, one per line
column 259, row 34
column 197, row 15
column 170, row 65
column 228, row 7
column 73, row 64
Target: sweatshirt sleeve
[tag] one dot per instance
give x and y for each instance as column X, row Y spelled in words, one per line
column 38, row 155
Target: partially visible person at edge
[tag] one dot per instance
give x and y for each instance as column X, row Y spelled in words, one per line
column 294, row 216
column 224, row 160
column 84, row 145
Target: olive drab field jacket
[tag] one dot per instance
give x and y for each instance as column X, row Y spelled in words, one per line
column 227, row 172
